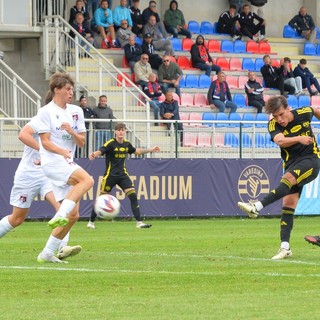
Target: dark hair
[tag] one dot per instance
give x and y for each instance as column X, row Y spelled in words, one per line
column 303, row 61
column 286, row 59
column 120, row 125
column 172, row 2
column 233, row 7
column 275, row 103
column 82, row 97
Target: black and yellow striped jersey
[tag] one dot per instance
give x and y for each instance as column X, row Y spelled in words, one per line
column 116, row 154
column 299, row 126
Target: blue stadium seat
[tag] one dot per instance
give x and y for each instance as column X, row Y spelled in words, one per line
column 234, row 116
column 248, row 117
column 239, row 47
column 182, row 82
column 231, row 140
column 204, row 81
column 227, row 46
column 262, row 117
column 318, row 49
column 259, row 140
column 315, row 123
column 248, row 64
column 191, row 81
column 138, row 41
column 309, row 49
column 318, row 32
column 208, row 116
column 318, row 139
column 194, row 26
column 258, row 64
column 206, row 27
column 246, row 140
column 215, row 28
column 269, row 143
column 239, row 99
column 289, row 32
column 303, row 101
column 292, row 101
column 222, row 117
column 176, row 44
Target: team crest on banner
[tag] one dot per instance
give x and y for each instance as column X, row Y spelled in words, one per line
column 253, row 183
column 23, row 198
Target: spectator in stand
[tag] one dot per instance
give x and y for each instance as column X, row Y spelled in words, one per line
column 153, row 91
column 170, row 74
column 169, row 110
column 272, row 78
column 124, row 33
column 147, row 47
column 92, row 6
column 257, row 6
column 82, row 9
column 102, row 111
column 228, row 22
column 120, row 13
column 174, row 21
column 254, row 92
column 288, row 77
column 142, row 70
column 83, row 30
column 132, row 52
column 136, row 18
column 238, row 3
column 304, row 25
column 219, row 95
column 248, row 24
column 102, row 23
column 152, row 11
column 307, row 77
column 201, row 58
column 159, row 42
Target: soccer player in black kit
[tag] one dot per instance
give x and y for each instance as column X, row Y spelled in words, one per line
column 291, row 131
column 116, row 151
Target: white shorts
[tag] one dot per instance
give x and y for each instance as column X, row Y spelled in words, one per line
column 61, row 192
column 26, row 188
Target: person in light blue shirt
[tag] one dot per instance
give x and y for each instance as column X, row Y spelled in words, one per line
column 102, row 22
column 120, row 13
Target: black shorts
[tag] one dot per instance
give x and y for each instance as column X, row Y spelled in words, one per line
column 108, row 182
column 304, row 170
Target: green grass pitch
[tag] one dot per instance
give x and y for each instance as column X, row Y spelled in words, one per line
column 178, row 269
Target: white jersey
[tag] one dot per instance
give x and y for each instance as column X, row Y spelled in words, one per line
column 50, row 118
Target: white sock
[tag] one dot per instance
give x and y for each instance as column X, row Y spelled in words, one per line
column 285, row 245
column 64, row 241
column 65, row 208
column 5, row 226
column 258, row 205
column 52, row 245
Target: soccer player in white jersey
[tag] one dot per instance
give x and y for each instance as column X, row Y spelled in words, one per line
column 29, row 181
column 61, row 129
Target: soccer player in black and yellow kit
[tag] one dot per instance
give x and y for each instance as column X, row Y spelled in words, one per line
column 116, row 151
column 291, row 131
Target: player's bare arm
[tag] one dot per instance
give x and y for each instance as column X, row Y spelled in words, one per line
column 94, row 154
column 50, row 146
column 141, row 151
column 285, row 142
column 78, row 138
column 27, row 138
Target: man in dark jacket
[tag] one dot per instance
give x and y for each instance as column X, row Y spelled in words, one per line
column 147, row 47
column 132, row 52
column 307, row 77
column 219, row 95
column 304, row 25
column 227, row 23
column 82, row 9
column 201, row 58
column 136, row 18
column 254, row 92
column 257, row 7
column 272, row 78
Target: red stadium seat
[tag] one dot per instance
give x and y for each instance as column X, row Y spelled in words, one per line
column 214, row 45
column 204, row 139
column 223, row 63
column 315, row 101
column 195, row 116
column 190, row 139
column 235, row 64
column 124, row 63
column 252, row 47
column 184, row 62
column 200, row 100
column 120, row 78
column 264, row 48
column 232, row 82
column 218, row 140
column 187, row 44
column 186, row 99
column 242, row 80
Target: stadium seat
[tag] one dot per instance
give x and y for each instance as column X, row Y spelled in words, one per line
column 194, row 26
column 231, row 140
column 162, row 98
column 315, row 101
column 262, row 117
column 221, row 116
column 269, row 143
column 209, row 116
column 275, row 63
column 248, row 64
column 124, row 62
column 239, row 47
column 176, row 44
column 289, row 32
column 232, row 82
column 258, row 64
column 195, row 116
column 182, row 82
column 252, row 46
column 223, row 63
column 315, row 122
column 215, row 27
column 227, row 46
column 235, row 64
column 259, row 140
column 184, row 116
column 318, row 139
column 318, row 49
column 239, row 99
column 234, row 116
column 214, row 45
column 186, row 99
column 200, row 100
column 248, row 117
column 204, row 139
column 266, row 97
column 187, row 44
column 292, row 101
column 184, row 62
column 120, row 78
column 206, row 27
column 218, row 140
column 303, row 101
column 242, row 80
column 264, row 48
column 309, row 49
column 138, row 41
column 192, row 81
column 189, row 139
column 176, row 97
column 204, row 81
column 246, row 140
column 133, row 78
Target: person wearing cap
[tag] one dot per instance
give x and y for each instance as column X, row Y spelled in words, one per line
column 175, row 22
column 136, row 18
column 132, row 52
column 147, row 47
column 124, row 33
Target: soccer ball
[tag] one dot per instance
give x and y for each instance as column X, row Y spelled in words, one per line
column 107, row 207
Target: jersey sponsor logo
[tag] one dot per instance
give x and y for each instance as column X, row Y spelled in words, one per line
column 252, row 183
column 306, row 124
column 304, row 110
column 285, row 132
column 296, row 128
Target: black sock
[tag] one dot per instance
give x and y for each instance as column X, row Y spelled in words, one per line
column 278, row 193
column 286, row 224
column 134, row 204
column 93, row 215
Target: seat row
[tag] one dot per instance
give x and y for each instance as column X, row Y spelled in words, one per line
column 311, row 49
column 289, row 32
